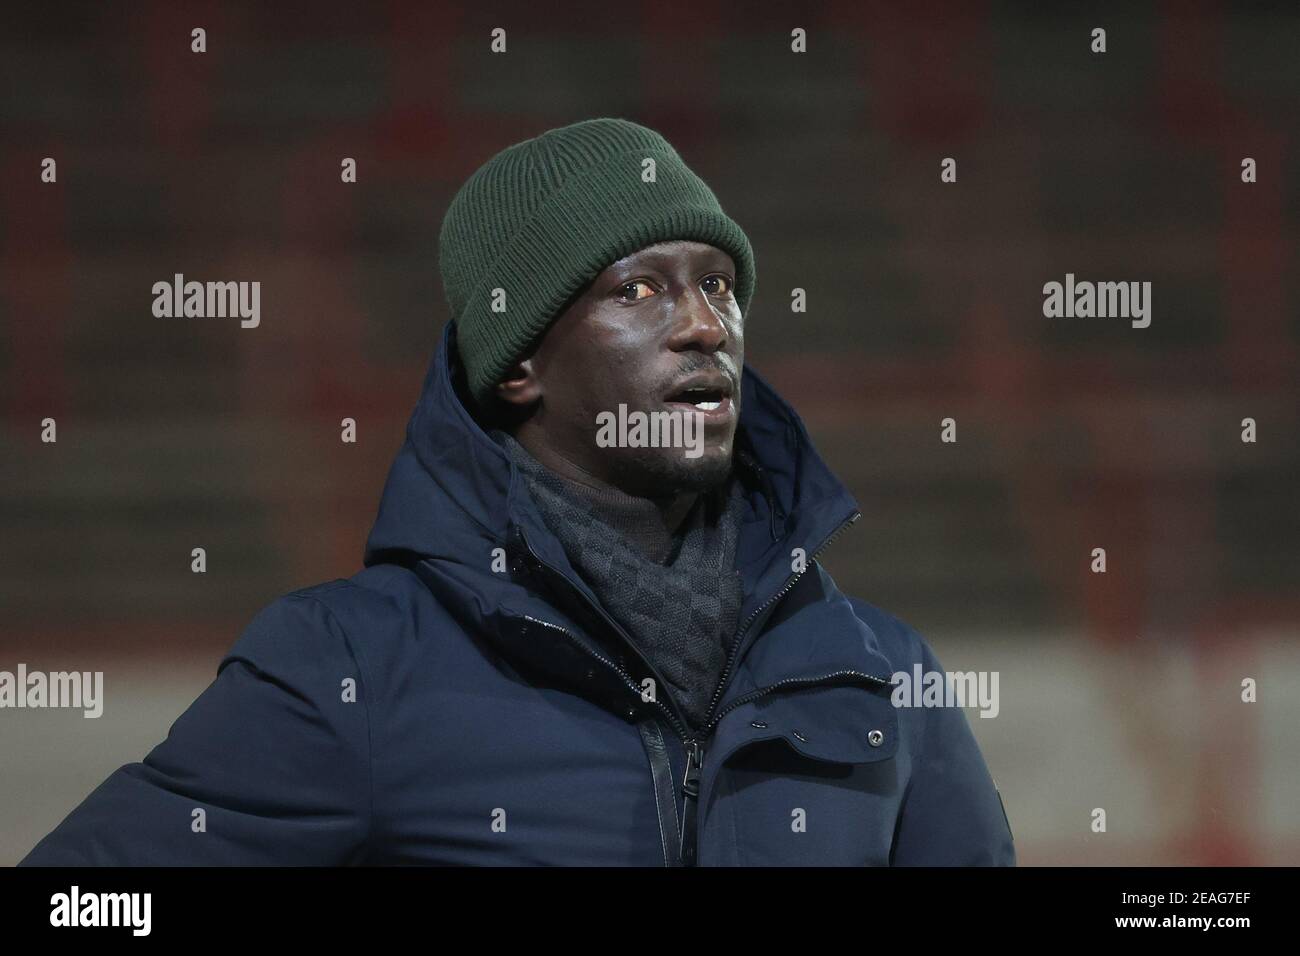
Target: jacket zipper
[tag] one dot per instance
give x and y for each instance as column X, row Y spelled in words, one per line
column 694, row 747
column 690, row 801
column 790, row 583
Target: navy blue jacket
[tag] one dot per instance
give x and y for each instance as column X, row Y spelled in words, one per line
column 465, row 700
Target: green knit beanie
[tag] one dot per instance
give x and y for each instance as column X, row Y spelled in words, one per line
column 542, row 218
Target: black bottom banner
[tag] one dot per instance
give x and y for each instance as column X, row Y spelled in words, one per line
column 924, row 905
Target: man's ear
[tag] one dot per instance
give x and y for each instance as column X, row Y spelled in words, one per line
column 520, row 386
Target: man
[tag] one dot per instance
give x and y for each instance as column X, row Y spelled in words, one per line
column 572, row 644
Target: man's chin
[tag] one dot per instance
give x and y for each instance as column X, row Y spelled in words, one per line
column 667, row 471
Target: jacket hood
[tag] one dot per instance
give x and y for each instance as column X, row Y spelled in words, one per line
column 453, row 494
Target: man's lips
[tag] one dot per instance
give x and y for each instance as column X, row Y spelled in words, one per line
column 713, row 410
column 704, row 390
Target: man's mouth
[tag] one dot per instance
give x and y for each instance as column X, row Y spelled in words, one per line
column 707, row 393
column 705, row 399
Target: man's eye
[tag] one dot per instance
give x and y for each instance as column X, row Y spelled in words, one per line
column 628, row 290
column 721, row 283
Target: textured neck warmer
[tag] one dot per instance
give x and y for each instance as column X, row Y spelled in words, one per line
column 677, row 595
column 640, row 520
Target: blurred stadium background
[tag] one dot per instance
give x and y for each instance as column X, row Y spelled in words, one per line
column 1119, row 690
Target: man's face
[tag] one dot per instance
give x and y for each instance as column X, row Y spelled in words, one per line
column 658, row 331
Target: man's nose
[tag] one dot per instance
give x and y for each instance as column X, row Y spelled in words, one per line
column 699, row 325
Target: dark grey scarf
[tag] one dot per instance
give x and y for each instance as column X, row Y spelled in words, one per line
column 681, row 611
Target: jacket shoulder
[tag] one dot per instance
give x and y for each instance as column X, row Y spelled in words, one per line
column 384, row 614
column 333, row 620
column 901, row 643
column 293, row 626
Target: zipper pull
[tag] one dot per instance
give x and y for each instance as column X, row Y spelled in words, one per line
column 690, row 799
